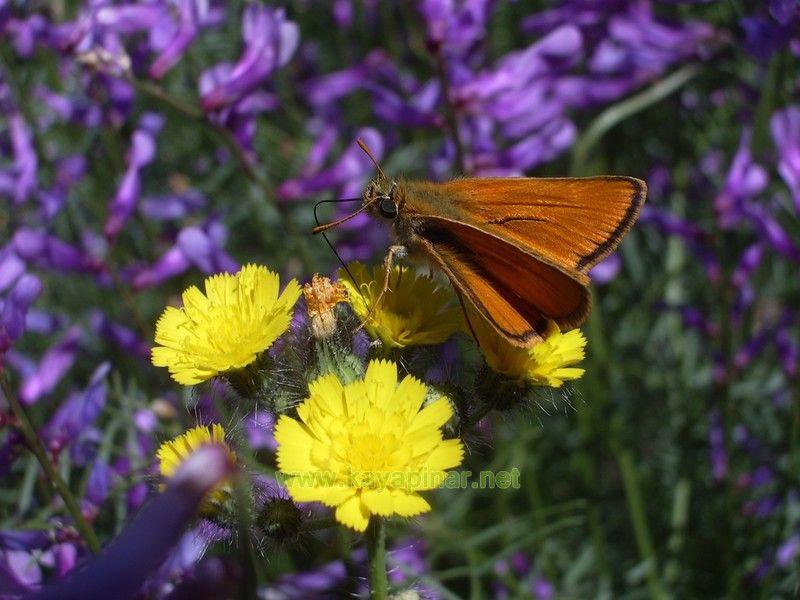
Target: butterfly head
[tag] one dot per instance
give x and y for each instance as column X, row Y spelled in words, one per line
column 380, row 197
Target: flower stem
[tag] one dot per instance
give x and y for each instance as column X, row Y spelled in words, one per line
column 35, row 445
column 376, row 554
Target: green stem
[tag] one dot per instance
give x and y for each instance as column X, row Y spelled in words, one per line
column 376, row 554
column 641, row 530
column 35, row 445
column 619, row 112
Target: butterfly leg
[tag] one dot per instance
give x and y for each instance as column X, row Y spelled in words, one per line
column 395, row 252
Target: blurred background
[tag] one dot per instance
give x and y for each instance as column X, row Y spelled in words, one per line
column 145, row 145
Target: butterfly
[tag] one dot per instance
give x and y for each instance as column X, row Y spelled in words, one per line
column 518, row 249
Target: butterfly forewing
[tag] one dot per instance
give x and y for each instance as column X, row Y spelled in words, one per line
column 571, row 223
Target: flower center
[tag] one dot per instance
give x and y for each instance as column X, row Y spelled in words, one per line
column 370, row 452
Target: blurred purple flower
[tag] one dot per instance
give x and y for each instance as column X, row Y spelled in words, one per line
column 788, row 352
column 80, row 410
column 749, row 261
column 51, row 368
column 173, row 207
column 98, row 484
column 716, row 438
column 49, row 252
column 454, row 27
column 14, row 308
column 178, row 36
column 143, row 151
column 785, row 126
column 346, row 176
column 26, row 161
column 140, row 548
column 752, row 348
column 343, row 12
column 199, row 247
column 11, row 267
column 258, row 427
column 127, row 339
column 270, row 40
column 786, row 552
column 763, row 36
column 352, row 165
column 769, row 230
column 745, row 179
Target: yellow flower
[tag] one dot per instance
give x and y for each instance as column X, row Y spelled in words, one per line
column 368, row 447
column 549, row 362
column 237, row 319
column 413, row 313
column 172, row 454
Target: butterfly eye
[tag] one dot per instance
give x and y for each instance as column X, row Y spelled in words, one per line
column 388, row 207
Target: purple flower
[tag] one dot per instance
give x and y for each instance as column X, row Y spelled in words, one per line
column 201, row 247
column 351, row 165
column 716, row 438
column 192, row 15
column 143, row 150
column 259, row 429
column 99, row 483
column 788, row 352
column 79, row 411
column 270, row 40
column 606, row 270
column 49, row 252
column 786, row 552
column 26, row 161
column 346, row 175
column 785, row 126
column 15, row 308
column 745, row 180
column 121, row 569
column 120, row 335
column 54, row 364
column 173, row 207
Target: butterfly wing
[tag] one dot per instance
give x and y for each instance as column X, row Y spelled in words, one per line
column 572, row 223
column 500, row 280
column 520, row 248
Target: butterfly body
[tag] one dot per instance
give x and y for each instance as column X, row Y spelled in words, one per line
column 518, row 249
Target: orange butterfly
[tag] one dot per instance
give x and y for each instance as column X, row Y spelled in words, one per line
column 518, row 248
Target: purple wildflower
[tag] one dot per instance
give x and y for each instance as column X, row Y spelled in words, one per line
column 716, row 438
column 139, row 549
column 173, row 207
column 54, row 364
column 77, row 413
column 143, row 150
column 786, row 552
column 785, row 126
column 50, row 252
column 177, row 37
column 26, row 160
column 606, row 270
column 14, row 310
column 270, row 40
column 259, row 429
column 201, row 247
column 351, row 165
column 745, row 179
column 788, row 352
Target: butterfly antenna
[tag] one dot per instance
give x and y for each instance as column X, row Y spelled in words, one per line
column 328, row 241
column 363, row 145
